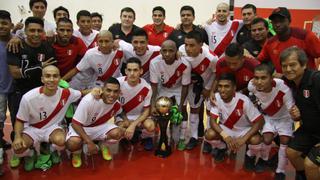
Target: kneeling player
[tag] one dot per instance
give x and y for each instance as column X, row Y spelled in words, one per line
column 90, row 122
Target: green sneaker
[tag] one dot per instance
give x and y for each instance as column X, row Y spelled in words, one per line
column 55, row 157
column 106, row 153
column 43, row 162
column 29, row 162
column 76, row 160
column 181, row 145
column 14, row 161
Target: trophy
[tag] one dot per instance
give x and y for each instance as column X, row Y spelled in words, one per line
column 163, row 106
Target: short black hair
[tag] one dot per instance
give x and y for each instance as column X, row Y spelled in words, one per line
column 65, row 20
column 187, row 8
column 159, row 8
column 5, row 15
column 250, row 6
column 128, row 9
column 300, row 53
column 35, row 20
column 83, row 13
column 264, row 67
column 134, row 60
column 140, row 32
column 234, row 49
column 111, row 80
column 259, row 20
column 196, row 35
column 60, row 8
column 32, row 2
column 228, row 76
column 96, row 14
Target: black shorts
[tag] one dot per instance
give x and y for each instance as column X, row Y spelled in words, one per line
column 314, row 155
column 302, row 141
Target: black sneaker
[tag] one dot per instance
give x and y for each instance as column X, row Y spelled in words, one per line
column 280, row 176
column 273, row 162
column 206, row 147
column 249, row 162
column 214, row 152
column 261, row 166
column 192, row 143
column 220, row 156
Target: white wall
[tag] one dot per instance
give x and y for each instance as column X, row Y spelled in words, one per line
column 290, row 4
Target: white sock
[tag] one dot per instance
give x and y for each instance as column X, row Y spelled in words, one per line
column 194, row 123
column 146, row 134
column 54, row 147
column 265, row 150
column 254, row 150
column 183, row 129
column 283, row 160
column 217, row 144
column 28, row 152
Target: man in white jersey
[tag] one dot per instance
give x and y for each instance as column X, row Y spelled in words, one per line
column 139, row 48
column 102, row 60
column 90, row 122
column 171, row 77
column 40, row 113
column 135, row 99
column 239, row 121
column 202, row 74
column 222, row 31
column 275, row 100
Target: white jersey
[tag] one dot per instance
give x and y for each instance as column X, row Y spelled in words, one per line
column 204, row 65
column 93, row 112
column 145, row 59
column 220, row 36
column 170, row 77
column 103, row 65
column 90, row 41
column 41, row 111
column 275, row 104
column 134, row 99
column 238, row 114
column 49, row 28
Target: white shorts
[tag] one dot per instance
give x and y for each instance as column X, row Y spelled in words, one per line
column 282, row 127
column 191, row 96
column 95, row 133
column 40, row 135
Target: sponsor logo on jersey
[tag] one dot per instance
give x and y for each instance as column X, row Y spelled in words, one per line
column 246, row 78
column 69, row 52
column 306, row 93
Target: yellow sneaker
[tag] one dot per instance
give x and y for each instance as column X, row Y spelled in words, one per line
column 76, row 160
column 106, row 153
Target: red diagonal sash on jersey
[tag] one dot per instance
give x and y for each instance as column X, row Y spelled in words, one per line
column 178, row 73
column 136, row 100
column 202, row 67
column 275, row 105
column 227, row 39
column 113, row 67
column 93, row 43
column 235, row 115
column 63, row 99
column 106, row 117
column 146, row 65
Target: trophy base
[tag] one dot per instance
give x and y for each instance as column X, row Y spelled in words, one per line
column 163, row 154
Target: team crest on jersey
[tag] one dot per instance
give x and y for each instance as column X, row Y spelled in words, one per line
column 241, row 33
column 202, row 67
column 117, row 61
column 232, row 33
column 24, row 56
column 246, row 78
column 180, row 37
column 69, row 52
column 117, row 36
column 255, row 52
column 140, row 98
column 178, row 73
column 99, row 65
column 306, row 93
column 165, row 34
column 149, row 32
column 274, row 51
column 41, row 57
column 239, row 112
column 112, row 113
column 278, row 103
column 63, row 102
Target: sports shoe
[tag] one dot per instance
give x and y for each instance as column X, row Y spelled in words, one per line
column 125, row 144
column 192, row 143
column 261, row 166
column 106, row 153
column 206, row 147
column 181, row 145
column 76, row 160
column 14, row 161
column 55, row 157
column 148, row 144
column 249, row 163
column 220, row 156
column 29, row 162
column 280, row 176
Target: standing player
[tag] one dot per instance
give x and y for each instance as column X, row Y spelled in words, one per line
column 42, row 110
column 171, row 77
column 135, row 99
column 60, row 12
column 97, row 20
column 275, row 100
column 90, row 122
column 239, row 121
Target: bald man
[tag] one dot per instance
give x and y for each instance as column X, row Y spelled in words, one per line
column 102, row 61
column 174, row 76
column 39, row 117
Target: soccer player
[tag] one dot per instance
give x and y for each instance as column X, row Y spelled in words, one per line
column 90, row 123
column 40, row 113
column 158, row 31
column 239, row 121
column 97, row 20
column 135, row 99
column 171, row 77
column 60, row 12
column 274, row 99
